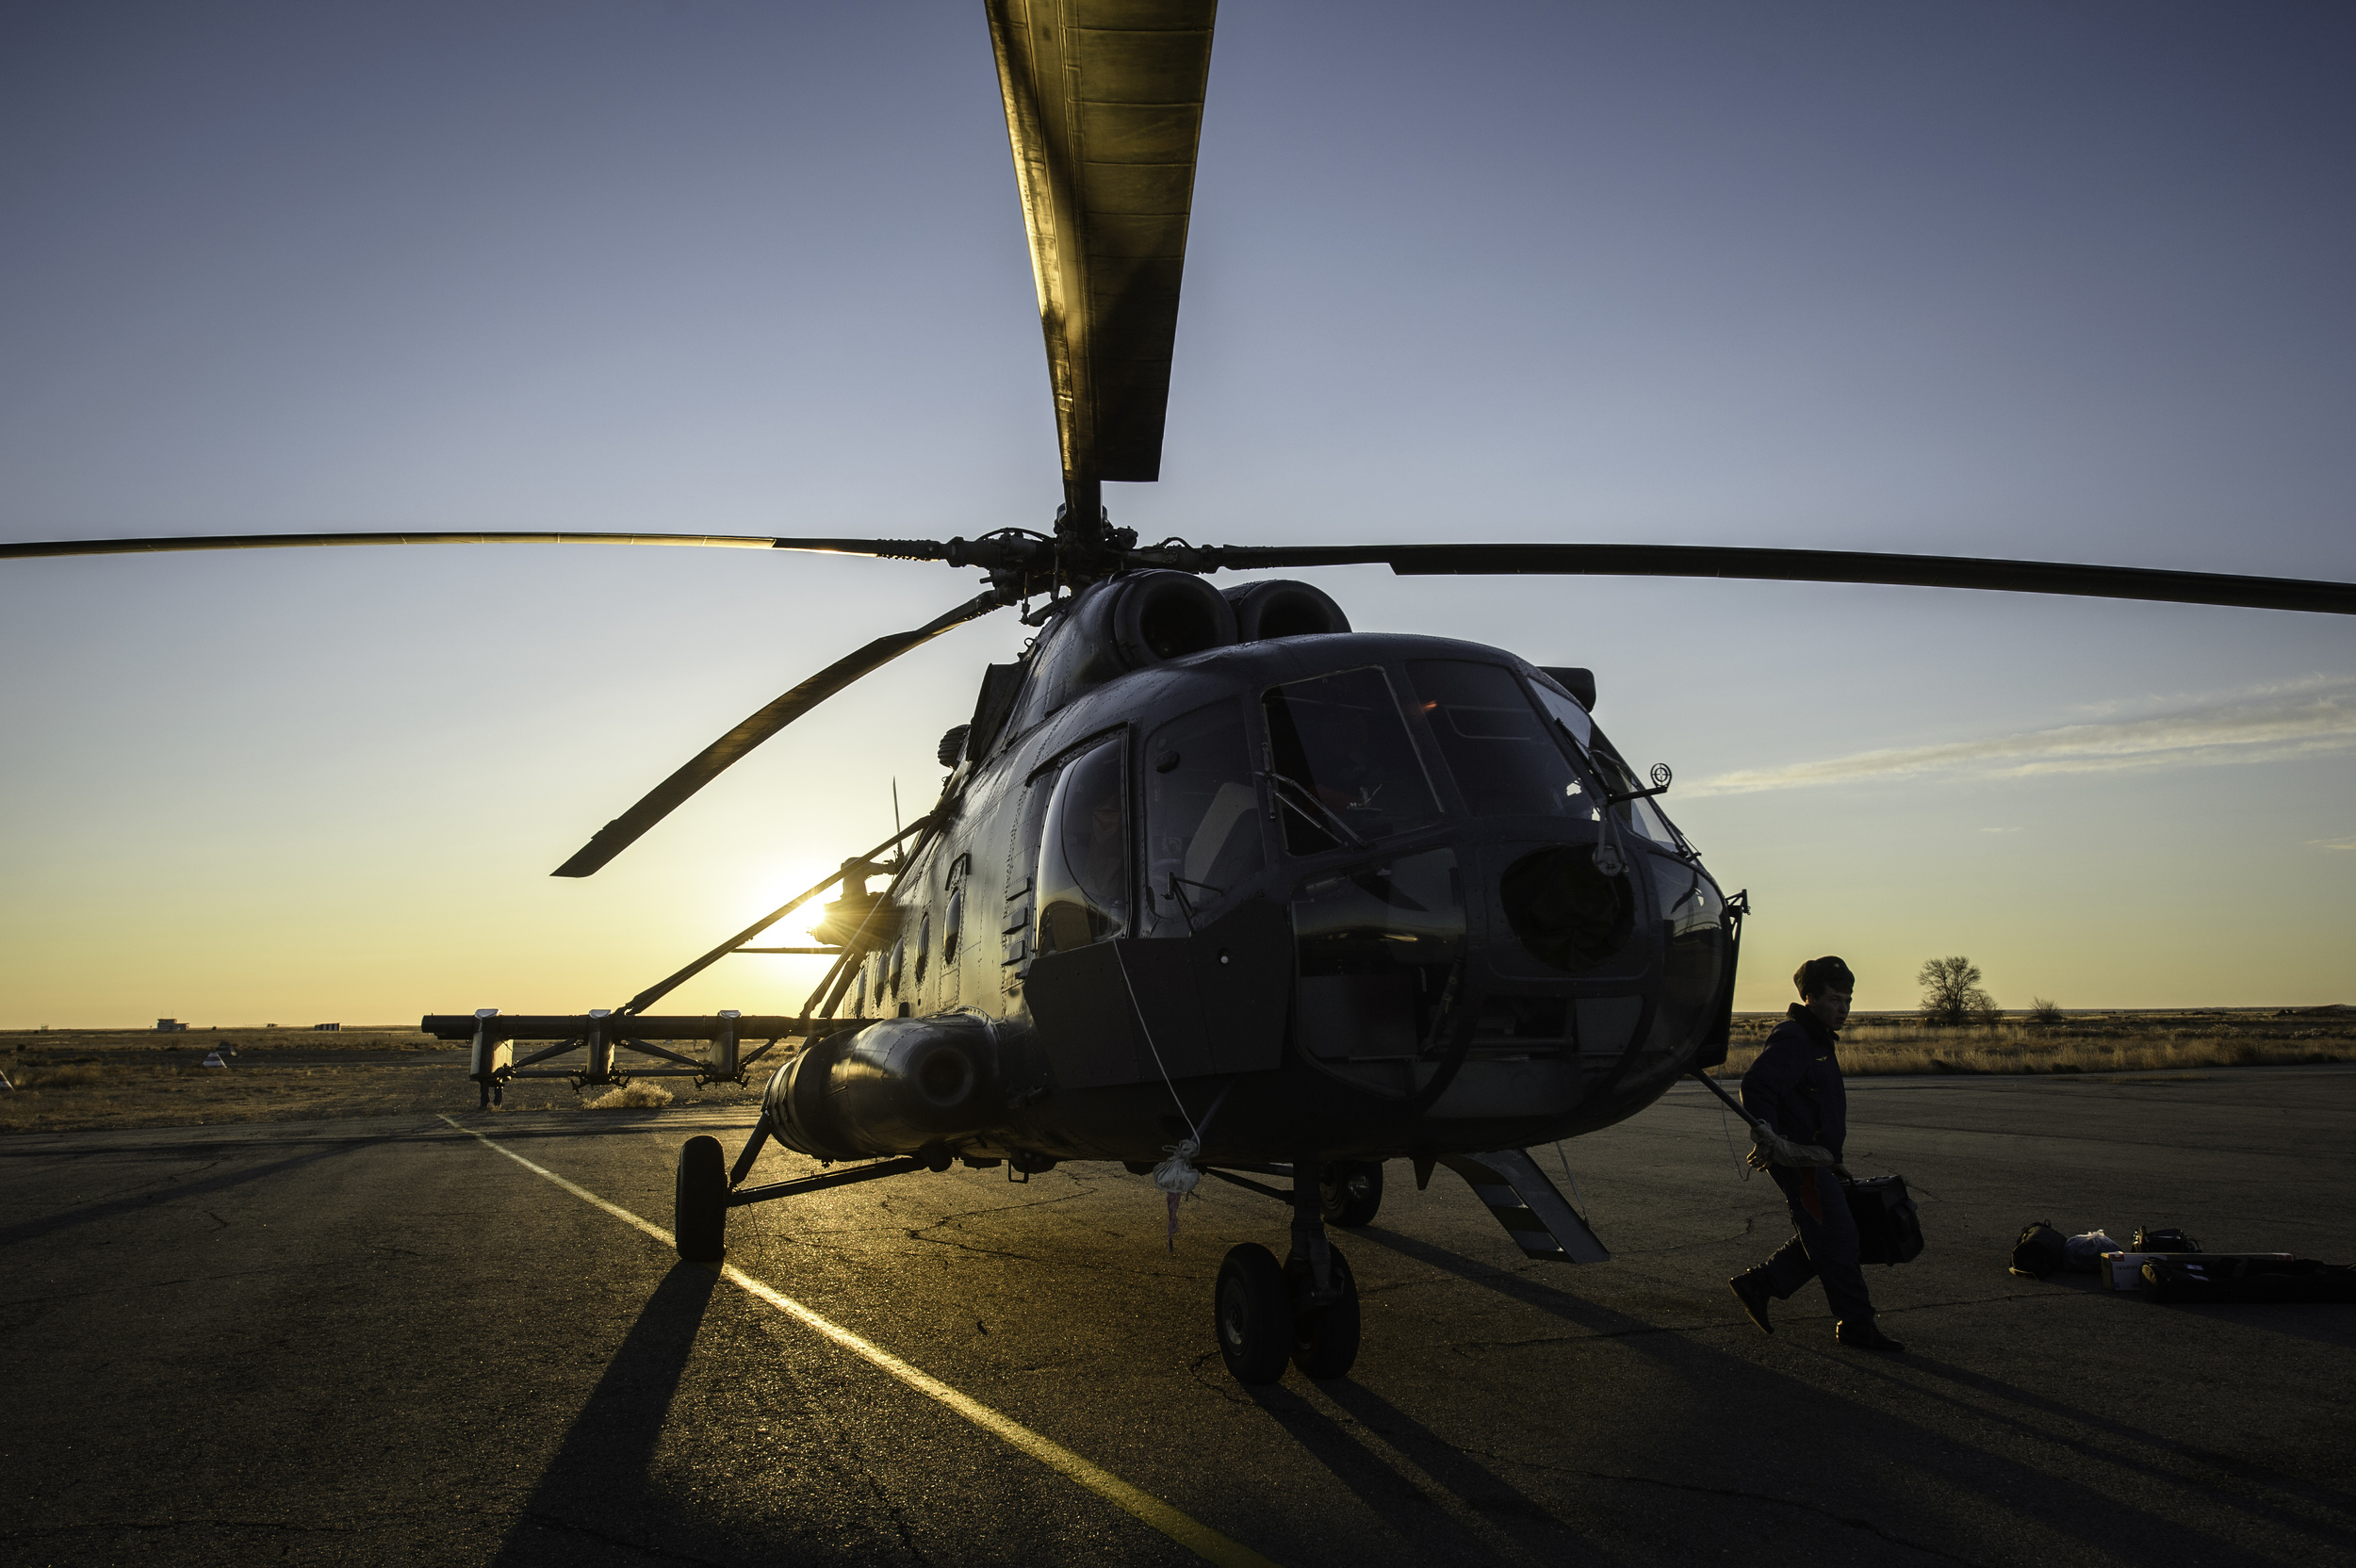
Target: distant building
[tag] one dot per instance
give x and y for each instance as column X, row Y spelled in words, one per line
column 171, row 1026
column 327, row 1028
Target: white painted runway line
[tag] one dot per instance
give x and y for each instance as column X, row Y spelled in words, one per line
column 1195, row 1536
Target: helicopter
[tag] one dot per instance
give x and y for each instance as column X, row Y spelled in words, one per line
column 1216, row 885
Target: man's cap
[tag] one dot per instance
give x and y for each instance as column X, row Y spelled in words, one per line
column 1822, row 974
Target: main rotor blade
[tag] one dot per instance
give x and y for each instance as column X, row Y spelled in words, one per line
column 1104, row 108
column 1774, row 566
column 715, row 759
column 1006, row 547
column 34, row 549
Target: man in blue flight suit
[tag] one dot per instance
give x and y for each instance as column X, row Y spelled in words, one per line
column 1795, row 1089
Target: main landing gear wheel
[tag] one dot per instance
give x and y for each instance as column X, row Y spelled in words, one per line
column 1255, row 1315
column 1325, row 1339
column 700, row 1202
column 1350, row 1191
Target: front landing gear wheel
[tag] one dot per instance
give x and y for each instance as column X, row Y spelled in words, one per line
column 1255, row 1315
column 1325, row 1339
column 1349, row 1192
column 700, row 1202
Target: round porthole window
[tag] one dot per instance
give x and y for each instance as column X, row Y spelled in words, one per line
column 1566, row 910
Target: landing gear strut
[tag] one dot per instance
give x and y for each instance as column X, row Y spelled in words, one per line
column 1305, row 1310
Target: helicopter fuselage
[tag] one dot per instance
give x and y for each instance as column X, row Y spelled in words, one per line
column 1374, row 895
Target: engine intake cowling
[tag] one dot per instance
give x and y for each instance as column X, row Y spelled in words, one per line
column 1283, row 609
column 892, row 1088
column 1131, row 623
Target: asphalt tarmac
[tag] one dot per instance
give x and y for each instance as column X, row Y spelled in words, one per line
column 366, row 1342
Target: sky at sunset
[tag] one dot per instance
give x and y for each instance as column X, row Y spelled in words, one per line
column 2063, row 281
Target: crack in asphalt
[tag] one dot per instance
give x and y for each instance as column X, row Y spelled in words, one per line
column 1461, row 1345
column 551, row 1522
column 1731, row 1323
column 121, row 1286
column 214, row 1522
column 1845, row 1520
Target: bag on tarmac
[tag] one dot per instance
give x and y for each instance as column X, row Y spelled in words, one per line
column 2165, row 1239
column 2041, row 1251
column 1887, row 1228
column 2197, row 1278
column 2084, row 1254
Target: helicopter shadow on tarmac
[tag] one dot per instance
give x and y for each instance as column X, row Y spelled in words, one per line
column 1966, row 1382
column 1859, row 1442
column 176, row 1192
column 1407, row 1509
column 2318, row 1323
column 597, row 1484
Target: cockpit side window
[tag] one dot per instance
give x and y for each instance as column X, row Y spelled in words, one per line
column 1201, row 818
column 1084, row 853
column 1641, row 814
column 1496, row 741
column 1342, row 767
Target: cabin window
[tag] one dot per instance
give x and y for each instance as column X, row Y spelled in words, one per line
column 1201, row 817
column 924, row 945
column 1698, row 947
column 1084, row 853
column 899, row 953
column 953, row 921
column 1496, row 743
column 1343, row 768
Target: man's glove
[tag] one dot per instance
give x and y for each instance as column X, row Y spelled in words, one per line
column 1769, row 1146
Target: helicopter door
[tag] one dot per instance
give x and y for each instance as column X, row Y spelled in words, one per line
column 1112, row 1007
column 1079, row 896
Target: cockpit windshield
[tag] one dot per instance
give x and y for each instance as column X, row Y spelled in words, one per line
column 1343, row 771
column 1495, row 742
column 1569, row 715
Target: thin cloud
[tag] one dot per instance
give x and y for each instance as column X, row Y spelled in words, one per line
column 2349, row 842
column 2265, row 726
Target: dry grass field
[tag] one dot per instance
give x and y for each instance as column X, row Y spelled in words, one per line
column 1875, row 1043
column 77, row 1080
column 71, row 1081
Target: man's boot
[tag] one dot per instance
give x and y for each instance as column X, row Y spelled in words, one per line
column 1752, row 1292
column 1862, row 1333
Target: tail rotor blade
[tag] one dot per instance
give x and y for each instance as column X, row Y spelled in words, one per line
column 717, row 757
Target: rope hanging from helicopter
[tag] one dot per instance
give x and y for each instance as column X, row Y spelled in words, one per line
column 1177, row 1175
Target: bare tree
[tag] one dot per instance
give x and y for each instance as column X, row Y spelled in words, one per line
column 1952, row 993
column 2043, row 1011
